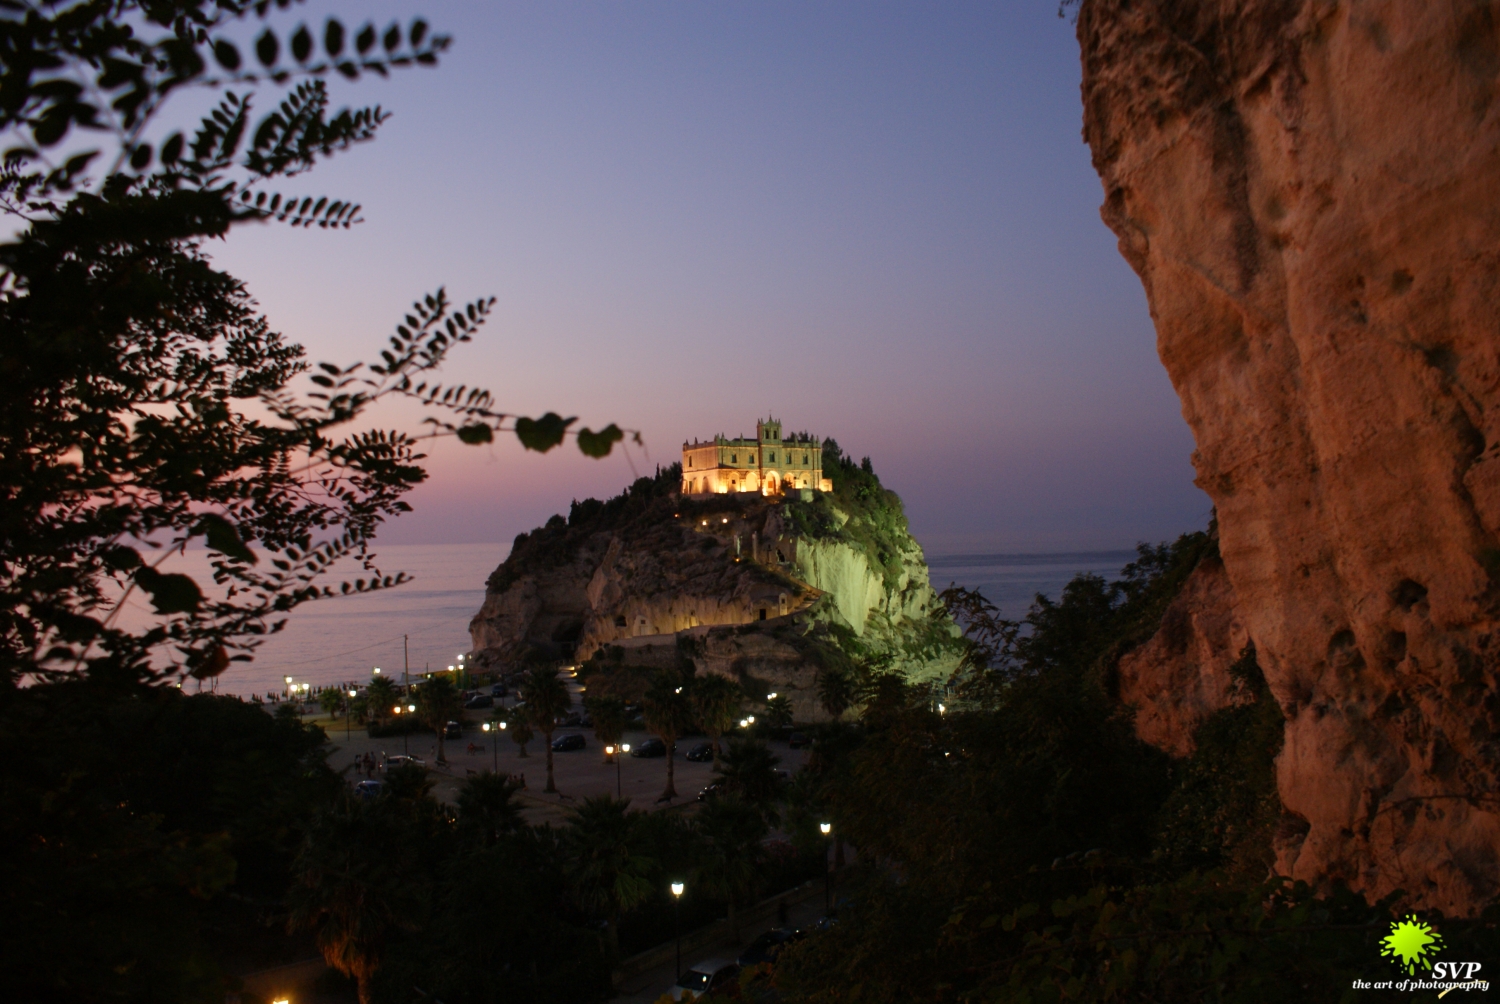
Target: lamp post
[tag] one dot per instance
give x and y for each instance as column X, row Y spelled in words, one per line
column 677, row 888
column 349, row 712
column 495, row 743
column 615, row 752
column 826, row 829
column 288, row 690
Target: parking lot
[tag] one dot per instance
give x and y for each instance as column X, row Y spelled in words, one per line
column 579, row 774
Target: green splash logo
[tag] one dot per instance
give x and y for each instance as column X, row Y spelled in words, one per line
column 1412, row 941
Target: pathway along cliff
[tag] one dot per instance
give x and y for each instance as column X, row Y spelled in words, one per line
column 767, row 590
column 1310, row 193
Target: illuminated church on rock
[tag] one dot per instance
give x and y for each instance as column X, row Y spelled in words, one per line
column 767, row 464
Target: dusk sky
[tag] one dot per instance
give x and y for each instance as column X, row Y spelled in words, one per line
column 877, row 222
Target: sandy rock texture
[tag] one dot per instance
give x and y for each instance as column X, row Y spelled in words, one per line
column 730, row 585
column 1182, row 675
column 1310, row 193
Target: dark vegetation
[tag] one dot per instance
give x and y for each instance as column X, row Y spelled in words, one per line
column 1021, row 845
column 160, row 406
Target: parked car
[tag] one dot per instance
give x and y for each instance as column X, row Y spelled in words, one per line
column 706, row 976
column 715, row 789
column 797, row 740
column 369, row 789
column 453, row 730
column 498, row 690
column 571, row 720
column 571, row 741
column 766, row 947
column 649, row 748
column 400, row 760
column 481, row 701
column 701, row 752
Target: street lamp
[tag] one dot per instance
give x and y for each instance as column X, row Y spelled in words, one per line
column 495, row 742
column 615, row 752
column 677, row 888
column 826, row 829
column 349, row 713
column 288, row 690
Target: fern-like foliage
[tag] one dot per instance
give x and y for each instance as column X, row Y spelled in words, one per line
column 133, row 356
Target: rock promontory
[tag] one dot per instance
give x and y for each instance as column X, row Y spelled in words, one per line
column 768, row 590
column 1309, row 191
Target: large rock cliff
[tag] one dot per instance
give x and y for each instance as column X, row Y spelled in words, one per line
column 1310, row 193
column 764, row 590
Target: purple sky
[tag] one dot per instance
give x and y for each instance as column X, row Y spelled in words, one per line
column 877, row 221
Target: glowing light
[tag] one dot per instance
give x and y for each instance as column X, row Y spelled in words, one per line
column 396, row 710
column 377, row 669
column 677, row 888
column 771, row 696
column 485, row 727
column 411, row 707
column 609, row 751
column 941, row 709
column 825, row 828
column 624, row 747
column 502, row 726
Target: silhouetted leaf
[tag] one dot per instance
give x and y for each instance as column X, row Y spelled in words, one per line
column 333, row 37
column 171, row 593
column 476, row 434
column 141, row 157
column 227, row 55
column 171, row 150
column 302, row 44
column 122, row 558
column 599, row 444
column 267, row 48
column 543, row 433
column 224, row 538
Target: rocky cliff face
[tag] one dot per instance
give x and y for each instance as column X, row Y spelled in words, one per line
column 1182, row 675
column 762, row 590
column 1310, row 193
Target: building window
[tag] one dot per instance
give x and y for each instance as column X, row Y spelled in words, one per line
column 804, row 458
column 734, row 458
column 773, row 458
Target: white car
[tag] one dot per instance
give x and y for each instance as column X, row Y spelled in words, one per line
column 710, row 974
column 399, row 759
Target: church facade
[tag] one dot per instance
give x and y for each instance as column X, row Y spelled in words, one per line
column 767, row 464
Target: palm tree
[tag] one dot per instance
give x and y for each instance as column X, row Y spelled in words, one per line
column 604, row 860
column 730, row 831
column 716, row 705
column 835, row 691
column 486, row 803
column 332, row 699
column 380, row 699
column 608, row 714
column 546, row 697
column 748, row 770
column 779, row 711
column 519, row 728
column 438, row 701
column 350, row 888
column 668, row 715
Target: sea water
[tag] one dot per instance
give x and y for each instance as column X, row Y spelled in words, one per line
column 424, row 624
